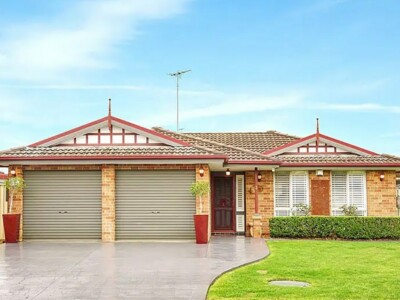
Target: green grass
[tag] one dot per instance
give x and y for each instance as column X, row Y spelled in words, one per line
column 335, row 269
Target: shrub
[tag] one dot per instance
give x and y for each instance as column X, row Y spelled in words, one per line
column 336, row 227
column 349, row 210
column 302, row 210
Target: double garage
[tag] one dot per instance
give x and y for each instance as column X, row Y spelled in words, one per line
column 148, row 204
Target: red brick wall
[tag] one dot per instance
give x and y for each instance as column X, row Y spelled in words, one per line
column 320, row 193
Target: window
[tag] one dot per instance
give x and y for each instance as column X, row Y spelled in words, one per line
column 291, row 189
column 348, row 188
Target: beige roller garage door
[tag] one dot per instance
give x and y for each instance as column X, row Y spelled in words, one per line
column 62, row 205
column 154, row 205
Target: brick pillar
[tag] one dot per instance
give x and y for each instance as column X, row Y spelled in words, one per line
column 206, row 199
column 108, row 203
column 18, row 199
column 381, row 195
column 259, row 222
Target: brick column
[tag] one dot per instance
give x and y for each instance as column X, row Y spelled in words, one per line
column 381, row 195
column 320, row 193
column 259, row 222
column 206, row 199
column 108, row 203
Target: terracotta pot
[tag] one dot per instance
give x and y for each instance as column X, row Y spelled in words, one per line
column 11, row 227
column 201, row 227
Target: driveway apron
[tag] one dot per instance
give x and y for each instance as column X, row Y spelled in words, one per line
column 121, row 270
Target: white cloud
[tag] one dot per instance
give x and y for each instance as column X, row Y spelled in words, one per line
column 76, row 87
column 360, row 107
column 218, row 104
column 78, row 39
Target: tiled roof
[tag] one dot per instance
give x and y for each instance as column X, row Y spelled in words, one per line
column 233, row 153
column 323, row 159
column 99, row 151
column 254, row 141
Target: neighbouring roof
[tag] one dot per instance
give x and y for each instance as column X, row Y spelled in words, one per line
column 111, row 138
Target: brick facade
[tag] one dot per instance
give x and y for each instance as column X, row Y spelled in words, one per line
column 381, row 195
column 265, row 200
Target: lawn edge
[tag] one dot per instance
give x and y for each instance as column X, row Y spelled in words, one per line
column 237, row 267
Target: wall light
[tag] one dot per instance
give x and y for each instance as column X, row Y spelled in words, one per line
column 201, row 171
column 12, row 172
column 258, row 174
column 382, row 177
column 320, row 172
column 228, row 173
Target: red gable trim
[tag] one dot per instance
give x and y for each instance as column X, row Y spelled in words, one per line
column 127, row 157
column 152, row 132
column 299, row 141
column 295, row 142
column 54, row 137
column 347, row 144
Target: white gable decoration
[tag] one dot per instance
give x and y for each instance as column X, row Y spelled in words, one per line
column 103, row 136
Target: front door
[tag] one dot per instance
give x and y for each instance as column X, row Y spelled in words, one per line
column 223, row 204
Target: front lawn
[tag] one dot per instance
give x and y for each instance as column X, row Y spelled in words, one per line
column 335, row 269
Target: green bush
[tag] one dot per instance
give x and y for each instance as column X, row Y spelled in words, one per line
column 336, row 227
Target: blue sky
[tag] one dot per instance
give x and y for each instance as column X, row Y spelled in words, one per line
column 257, row 65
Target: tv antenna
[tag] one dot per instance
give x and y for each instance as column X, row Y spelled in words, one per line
column 178, row 75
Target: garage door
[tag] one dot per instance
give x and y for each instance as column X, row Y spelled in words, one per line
column 154, row 205
column 62, row 205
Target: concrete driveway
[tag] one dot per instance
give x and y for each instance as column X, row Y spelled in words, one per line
column 122, row 270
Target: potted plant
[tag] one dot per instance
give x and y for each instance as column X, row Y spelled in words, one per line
column 200, row 189
column 12, row 221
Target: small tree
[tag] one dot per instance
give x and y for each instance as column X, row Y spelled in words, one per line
column 349, row 210
column 13, row 185
column 302, row 209
column 200, row 188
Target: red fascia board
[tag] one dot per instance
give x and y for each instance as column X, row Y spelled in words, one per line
column 322, row 165
column 289, row 144
column 127, row 157
column 68, row 132
column 347, row 144
column 253, row 162
column 160, row 135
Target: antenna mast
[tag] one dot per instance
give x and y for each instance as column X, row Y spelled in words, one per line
column 178, row 75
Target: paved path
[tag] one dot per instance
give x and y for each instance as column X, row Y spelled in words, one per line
column 122, row 270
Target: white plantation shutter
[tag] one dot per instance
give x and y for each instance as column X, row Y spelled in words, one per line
column 339, row 192
column 348, row 188
column 240, row 223
column 291, row 189
column 239, row 192
column 282, row 194
column 356, row 182
column 299, row 188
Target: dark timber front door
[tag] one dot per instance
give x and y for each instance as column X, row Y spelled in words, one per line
column 223, row 204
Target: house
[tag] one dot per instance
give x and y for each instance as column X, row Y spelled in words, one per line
column 114, row 180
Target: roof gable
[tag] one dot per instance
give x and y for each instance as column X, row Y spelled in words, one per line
column 110, row 131
column 318, row 144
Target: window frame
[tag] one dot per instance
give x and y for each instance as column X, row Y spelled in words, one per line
column 332, row 208
column 291, row 207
